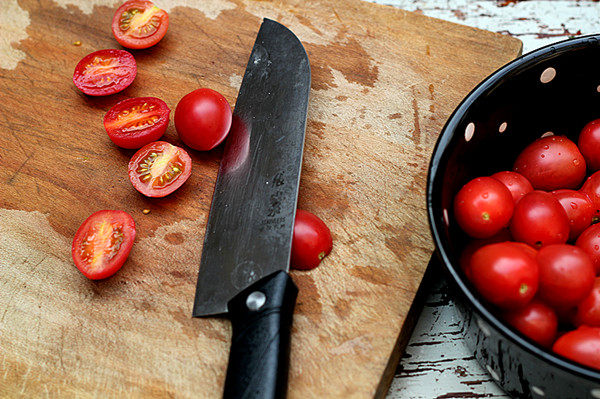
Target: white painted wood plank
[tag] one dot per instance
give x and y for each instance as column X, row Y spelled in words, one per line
column 437, row 364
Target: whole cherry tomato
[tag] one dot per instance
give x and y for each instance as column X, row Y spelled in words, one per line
column 465, row 256
column 581, row 345
column 591, row 187
column 550, row 163
column 579, row 210
column 516, row 183
column 589, row 144
column 483, row 207
column 203, row 119
column 311, row 241
column 566, row 275
column 504, row 274
column 589, row 241
column 588, row 310
column 536, row 321
column 539, row 220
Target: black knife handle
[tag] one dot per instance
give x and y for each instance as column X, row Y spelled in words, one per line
column 260, row 346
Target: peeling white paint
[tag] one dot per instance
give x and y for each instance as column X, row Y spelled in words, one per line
column 13, row 24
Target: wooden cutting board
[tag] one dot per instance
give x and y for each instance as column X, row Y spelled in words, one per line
column 383, row 83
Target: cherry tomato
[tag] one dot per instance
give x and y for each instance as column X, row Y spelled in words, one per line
column 483, row 207
column 311, row 241
column 591, row 187
column 135, row 122
column 589, row 241
column 578, row 208
column 516, row 183
column 203, row 119
column 566, row 275
column 539, row 220
column 159, row 168
column 465, row 256
column 581, row 345
column 105, row 72
column 588, row 310
column 102, row 243
column 536, row 321
column 550, row 163
column 139, row 24
column 589, row 144
column 504, row 274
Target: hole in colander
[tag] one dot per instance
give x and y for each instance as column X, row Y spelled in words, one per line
column 548, row 75
column 469, row 130
column 502, row 127
column 548, row 134
column 446, row 218
column 598, row 89
column 538, row 391
column 595, row 393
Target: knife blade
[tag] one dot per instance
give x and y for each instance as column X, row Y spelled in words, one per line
column 246, row 252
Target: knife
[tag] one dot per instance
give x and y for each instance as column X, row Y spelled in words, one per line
column 246, row 252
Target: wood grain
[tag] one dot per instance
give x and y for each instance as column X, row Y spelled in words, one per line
column 384, row 81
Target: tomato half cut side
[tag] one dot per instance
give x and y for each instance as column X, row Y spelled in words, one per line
column 159, row 168
column 135, row 122
column 102, row 243
column 139, row 24
column 105, row 72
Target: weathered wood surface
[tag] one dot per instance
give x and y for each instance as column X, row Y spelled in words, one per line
column 436, row 364
column 384, row 81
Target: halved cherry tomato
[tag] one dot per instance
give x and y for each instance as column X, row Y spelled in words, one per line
column 135, row 122
column 504, row 274
column 551, row 163
column 311, row 241
column 566, row 275
column 539, row 220
column 483, row 207
column 516, row 183
column 139, row 24
column 589, row 241
column 159, row 168
column 105, row 72
column 579, row 210
column 536, row 321
column 581, row 345
column 588, row 310
column 203, row 119
column 591, row 187
column 589, row 144
column 102, row 243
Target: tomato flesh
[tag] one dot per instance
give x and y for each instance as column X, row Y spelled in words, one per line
column 135, row 122
column 139, row 24
column 102, row 243
column 311, row 241
column 159, row 168
column 105, row 72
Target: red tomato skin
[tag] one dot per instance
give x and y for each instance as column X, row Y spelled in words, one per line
column 539, row 220
column 536, row 321
column 581, row 345
column 137, row 138
column 516, row 183
column 139, row 43
column 589, row 241
column 551, row 163
column 591, row 188
column 203, row 119
column 579, row 210
column 588, row 310
column 158, row 146
column 566, row 275
column 311, row 241
column 504, row 274
column 589, row 144
column 126, row 63
column 129, row 233
column 483, row 207
column 473, row 245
